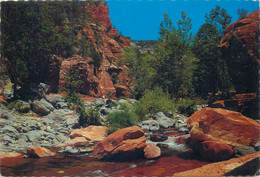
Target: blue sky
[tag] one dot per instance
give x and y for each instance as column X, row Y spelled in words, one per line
column 140, row 19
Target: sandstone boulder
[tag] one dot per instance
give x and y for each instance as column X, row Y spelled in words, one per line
column 37, row 152
column 215, row 151
column 95, row 133
column 151, row 151
column 124, row 144
column 223, row 125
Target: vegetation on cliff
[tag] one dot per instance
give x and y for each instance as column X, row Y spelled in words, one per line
column 32, row 32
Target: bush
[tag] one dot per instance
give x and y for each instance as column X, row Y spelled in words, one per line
column 186, row 106
column 154, row 101
column 86, row 117
column 120, row 119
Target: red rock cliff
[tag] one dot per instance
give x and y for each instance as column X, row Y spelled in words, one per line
column 240, row 48
column 98, row 81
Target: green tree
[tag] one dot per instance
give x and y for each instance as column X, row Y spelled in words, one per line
column 175, row 62
column 33, row 31
column 211, row 75
column 219, row 18
column 141, row 70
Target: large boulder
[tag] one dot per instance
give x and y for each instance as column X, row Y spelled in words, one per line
column 37, row 152
column 240, row 48
column 42, row 107
column 124, row 144
column 223, row 125
column 95, row 133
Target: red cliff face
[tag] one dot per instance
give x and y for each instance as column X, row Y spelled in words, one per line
column 240, row 47
column 109, row 44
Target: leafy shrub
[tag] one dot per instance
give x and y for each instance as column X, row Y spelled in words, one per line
column 120, row 119
column 186, row 106
column 154, row 101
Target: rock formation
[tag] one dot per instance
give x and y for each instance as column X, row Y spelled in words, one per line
column 246, row 103
column 108, row 44
column 240, row 48
column 124, row 144
column 223, row 125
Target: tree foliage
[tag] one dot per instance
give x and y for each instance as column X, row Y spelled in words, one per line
column 33, row 31
column 219, row 18
column 175, row 62
column 211, row 75
column 141, row 69
column 242, row 13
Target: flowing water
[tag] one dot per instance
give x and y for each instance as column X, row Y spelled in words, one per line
column 175, row 158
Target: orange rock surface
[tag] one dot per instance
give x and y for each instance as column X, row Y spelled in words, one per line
column 124, row 143
column 221, row 168
column 38, row 152
column 151, row 151
column 223, row 125
column 6, row 155
column 95, row 133
column 97, row 81
column 73, row 142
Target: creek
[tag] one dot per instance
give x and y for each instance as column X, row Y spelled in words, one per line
column 174, row 158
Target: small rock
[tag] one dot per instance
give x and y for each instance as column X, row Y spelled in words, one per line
column 7, row 139
column 10, row 131
column 5, row 114
column 71, row 150
column 34, row 135
column 158, row 138
column 240, row 151
column 149, row 124
column 37, row 152
column 151, row 151
column 164, row 122
column 42, row 107
column 100, row 101
column 22, row 142
column 74, row 142
column 61, row 137
column 96, row 133
column 183, row 130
